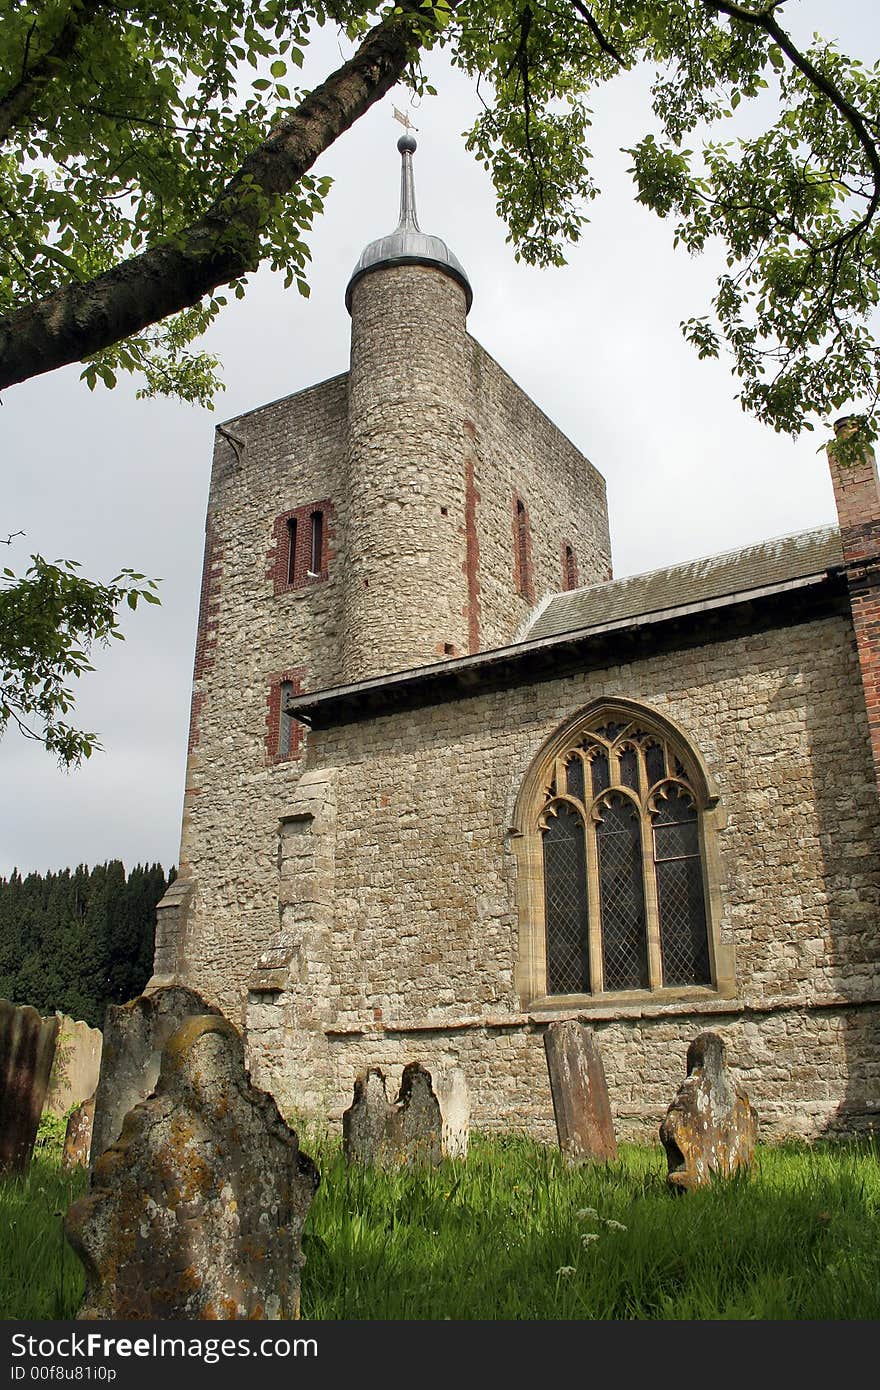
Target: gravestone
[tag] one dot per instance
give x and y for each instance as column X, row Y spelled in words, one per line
column 413, row 1129
column 710, row 1127
column 78, row 1136
column 580, row 1093
column 27, row 1048
column 134, row 1036
column 197, row 1211
column 76, row 1067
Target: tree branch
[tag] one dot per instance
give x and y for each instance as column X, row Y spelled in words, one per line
column 80, row 319
column 764, row 19
column 606, row 46
column 35, row 75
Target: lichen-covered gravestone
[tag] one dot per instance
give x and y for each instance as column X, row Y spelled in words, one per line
column 710, row 1127
column 197, row 1210
column 426, row 1123
column 134, row 1036
column 78, row 1136
column 580, row 1093
column 27, row 1049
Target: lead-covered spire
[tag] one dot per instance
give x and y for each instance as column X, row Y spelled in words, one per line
column 408, row 244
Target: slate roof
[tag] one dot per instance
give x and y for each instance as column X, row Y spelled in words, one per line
column 699, row 581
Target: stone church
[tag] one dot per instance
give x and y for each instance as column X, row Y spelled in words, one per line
column 449, row 781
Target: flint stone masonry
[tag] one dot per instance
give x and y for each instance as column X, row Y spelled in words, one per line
column 414, row 1129
column 197, row 1211
column 78, row 1136
column 76, row 1067
column 134, row 1036
column 710, row 1127
column 27, row 1049
column 580, row 1094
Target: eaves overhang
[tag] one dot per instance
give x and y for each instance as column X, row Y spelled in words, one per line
column 687, row 625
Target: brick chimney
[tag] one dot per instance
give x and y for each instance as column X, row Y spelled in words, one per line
column 857, row 494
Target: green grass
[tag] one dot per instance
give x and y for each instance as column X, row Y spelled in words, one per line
column 501, row 1236
column 40, row 1277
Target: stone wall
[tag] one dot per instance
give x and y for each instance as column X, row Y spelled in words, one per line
column 284, row 456
column 424, row 945
column 414, row 458
column 520, row 453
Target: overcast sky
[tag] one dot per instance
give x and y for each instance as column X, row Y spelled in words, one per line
column 110, row 481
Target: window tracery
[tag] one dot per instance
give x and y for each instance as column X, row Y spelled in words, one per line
column 615, row 844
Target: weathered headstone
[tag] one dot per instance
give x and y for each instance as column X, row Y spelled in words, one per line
column 580, row 1093
column 134, row 1036
column 78, row 1136
column 413, row 1129
column 451, row 1090
column 76, row 1067
column 27, row 1047
column 710, row 1127
column 197, row 1210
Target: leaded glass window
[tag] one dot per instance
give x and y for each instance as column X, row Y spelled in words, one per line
column 623, row 866
column 565, row 891
column 621, row 894
column 681, row 905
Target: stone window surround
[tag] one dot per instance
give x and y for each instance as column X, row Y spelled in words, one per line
column 293, row 573
column 275, row 715
column 523, row 572
column 527, row 846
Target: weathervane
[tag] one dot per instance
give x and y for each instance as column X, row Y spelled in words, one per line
column 404, row 119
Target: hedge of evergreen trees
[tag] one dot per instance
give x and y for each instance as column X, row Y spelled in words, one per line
column 80, row 939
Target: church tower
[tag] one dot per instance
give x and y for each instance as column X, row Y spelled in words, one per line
column 407, row 512
column 406, row 598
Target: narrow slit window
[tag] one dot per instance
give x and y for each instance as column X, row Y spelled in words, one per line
column 522, row 548
column 570, row 578
column 317, row 545
column 291, row 549
column 285, row 722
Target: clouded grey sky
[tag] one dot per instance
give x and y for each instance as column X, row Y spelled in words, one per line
column 110, row 481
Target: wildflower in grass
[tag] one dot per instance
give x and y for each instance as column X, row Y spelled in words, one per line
column 588, row 1237
column 566, row 1270
column 615, row 1225
column 588, row 1214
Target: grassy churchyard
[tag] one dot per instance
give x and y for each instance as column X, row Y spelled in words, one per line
column 513, row 1233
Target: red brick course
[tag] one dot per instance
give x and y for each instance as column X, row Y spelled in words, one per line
column 857, row 495
column 206, row 632
column 472, row 549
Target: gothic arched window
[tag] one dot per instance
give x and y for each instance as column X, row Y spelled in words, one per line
column 614, row 826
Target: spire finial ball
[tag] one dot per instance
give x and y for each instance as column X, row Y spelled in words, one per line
column 406, row 144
